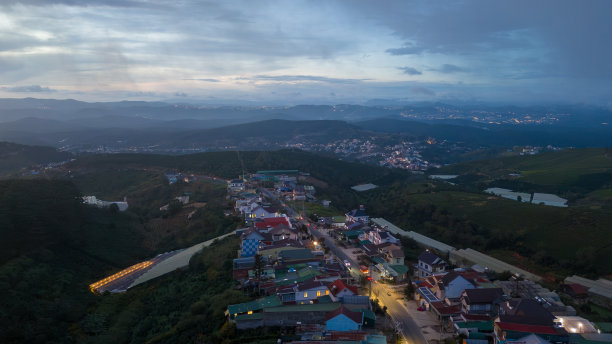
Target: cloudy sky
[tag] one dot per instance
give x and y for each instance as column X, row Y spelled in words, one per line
column 288, row 52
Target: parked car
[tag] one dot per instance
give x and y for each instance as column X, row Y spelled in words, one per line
column 347, row 263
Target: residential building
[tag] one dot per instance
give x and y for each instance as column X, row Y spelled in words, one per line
column 309, row 292
column 429, row 264
column 481, row 301
column 236, row 185
column 357, row 215
column 343, row 319
column 521, row 317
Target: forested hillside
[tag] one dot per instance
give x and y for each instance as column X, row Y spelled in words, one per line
column 14, row 157
column 54, row 246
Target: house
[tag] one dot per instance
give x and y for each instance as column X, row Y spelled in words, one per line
column 299, row 194
column 283, row 232
column 429, row 264
column 343, row 319
column 310, row 190
column 273, row 222
column 521, row 317
column 338, row 221
column 252, row 306
column 339, row 289
column 378, row 236
column 357, row 215
column 309, row 291
column 261, row 212
column 299, row 255
column 272, row 251
column 250, row 242
column 481, row 301
column 236, row 185
column 393, row 255
column 452, row 285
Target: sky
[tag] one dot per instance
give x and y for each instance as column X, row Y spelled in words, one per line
column 298, row 52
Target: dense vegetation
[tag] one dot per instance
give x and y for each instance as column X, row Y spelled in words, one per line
column 14, row 156
column 54, row 246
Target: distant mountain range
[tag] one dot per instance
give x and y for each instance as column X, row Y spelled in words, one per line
column 79, row 125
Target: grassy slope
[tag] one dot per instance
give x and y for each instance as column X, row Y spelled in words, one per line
column 559, row 231
column 556, row 168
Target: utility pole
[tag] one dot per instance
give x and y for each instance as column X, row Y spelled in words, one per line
column 370, row 279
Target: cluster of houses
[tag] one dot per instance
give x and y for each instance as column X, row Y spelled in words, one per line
column 298, row 286
column 380, row 248
column 486, row 311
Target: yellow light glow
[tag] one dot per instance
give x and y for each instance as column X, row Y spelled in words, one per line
column 134, row 268
column 250, row 312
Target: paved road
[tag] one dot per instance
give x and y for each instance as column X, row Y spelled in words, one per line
column 177, row 261
column 398, row 312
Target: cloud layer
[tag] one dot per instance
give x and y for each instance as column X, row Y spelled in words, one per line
column 305, row 51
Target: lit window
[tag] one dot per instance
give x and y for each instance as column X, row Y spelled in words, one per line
column 305, row 294
column 327, row 292
column 250, row 312
column 318, row 293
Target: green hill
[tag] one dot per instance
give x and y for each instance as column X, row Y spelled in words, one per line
column 53, row 247
column 582, row 175
column 14, row 157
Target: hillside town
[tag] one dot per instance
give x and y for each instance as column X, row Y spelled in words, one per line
column 347, row 278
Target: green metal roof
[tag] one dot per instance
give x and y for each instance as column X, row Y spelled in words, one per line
column 353, row 233
column 305, row 273
column 268, row 301
column 400, row 269
column 477, row 335
column 480, row 325
column 339, row 219
column 325, row 299
column 299, row 254
column 367, row 313
column 605, row 327
column 315, row 307
column 379, row 260
column 365, row 242
column 254, row 316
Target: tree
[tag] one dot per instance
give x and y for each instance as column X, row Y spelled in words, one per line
column 174, row 207
column 114, row 208
column 258, row 266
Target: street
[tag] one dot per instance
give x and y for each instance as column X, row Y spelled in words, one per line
column 396, row 310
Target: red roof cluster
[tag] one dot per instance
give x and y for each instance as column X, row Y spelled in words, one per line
column 537, row 329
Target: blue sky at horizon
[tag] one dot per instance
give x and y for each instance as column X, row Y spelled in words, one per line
column 322, row 52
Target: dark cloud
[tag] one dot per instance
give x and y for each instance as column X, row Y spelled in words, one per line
column 410, row 70
column 450, row 68
column 31, row 88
